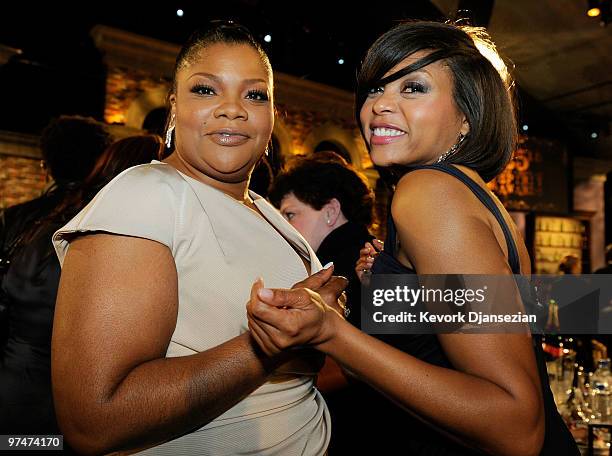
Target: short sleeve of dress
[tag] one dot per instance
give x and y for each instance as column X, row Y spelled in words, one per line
column 143, row 201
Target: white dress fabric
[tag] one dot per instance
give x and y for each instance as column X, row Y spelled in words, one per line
column 220, row 248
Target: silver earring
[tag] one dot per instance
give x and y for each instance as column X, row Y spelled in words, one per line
column 169, row 132
column 452, row 150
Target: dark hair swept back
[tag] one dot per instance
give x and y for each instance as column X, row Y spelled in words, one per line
column 226, row 32
column 479, row 91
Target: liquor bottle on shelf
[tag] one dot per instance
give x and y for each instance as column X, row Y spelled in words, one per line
column 601, row 392
column 552, row 324
column 602, row 377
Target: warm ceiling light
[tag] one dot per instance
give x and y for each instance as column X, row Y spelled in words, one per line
column 593, row 12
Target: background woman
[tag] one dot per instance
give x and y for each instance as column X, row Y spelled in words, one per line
column 332, row 206
column 29, row 272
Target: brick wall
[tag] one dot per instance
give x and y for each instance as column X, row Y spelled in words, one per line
column 123, row 86
column 21, row 179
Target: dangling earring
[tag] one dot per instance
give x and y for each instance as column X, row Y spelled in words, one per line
column 452, row 150
column 267, row 151
column 169, row 132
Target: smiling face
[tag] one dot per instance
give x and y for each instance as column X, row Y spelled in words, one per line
column 223, row 112
column 414, row 119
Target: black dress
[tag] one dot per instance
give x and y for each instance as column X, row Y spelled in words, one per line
column 396, row 432
column 342, row 246
column 28, row 289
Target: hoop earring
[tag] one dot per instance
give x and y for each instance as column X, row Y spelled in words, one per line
column 452, row 150
column 169, row 132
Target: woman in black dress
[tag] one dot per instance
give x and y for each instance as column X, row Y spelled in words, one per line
column 438, row 112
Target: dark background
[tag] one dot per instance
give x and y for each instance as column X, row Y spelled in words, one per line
column 60, row 71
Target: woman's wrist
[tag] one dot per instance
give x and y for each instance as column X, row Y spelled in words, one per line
column 331, row 328
column 269, row 364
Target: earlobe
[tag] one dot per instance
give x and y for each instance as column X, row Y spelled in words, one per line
column 332, row 211
column 465, row 127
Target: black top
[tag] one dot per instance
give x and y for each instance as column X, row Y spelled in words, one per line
column 28, row 290
column 404, row 432
column 342, row 247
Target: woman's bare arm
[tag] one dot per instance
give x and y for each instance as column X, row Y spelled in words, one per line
column 113, row 387
column 493, row 399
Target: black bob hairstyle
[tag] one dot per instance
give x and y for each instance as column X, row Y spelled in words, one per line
column 480, row 91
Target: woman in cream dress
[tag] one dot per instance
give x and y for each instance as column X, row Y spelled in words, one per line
column 151, row 348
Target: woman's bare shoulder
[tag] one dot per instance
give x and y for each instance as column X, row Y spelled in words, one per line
column 433, row 194
column 442, row 227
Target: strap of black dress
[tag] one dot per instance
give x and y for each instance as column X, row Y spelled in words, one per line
column 482, row 195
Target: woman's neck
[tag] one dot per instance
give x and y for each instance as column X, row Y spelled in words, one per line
column 237, row 190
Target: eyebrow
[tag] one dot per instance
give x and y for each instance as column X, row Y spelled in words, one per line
column 422, row 70
column 207, row 75
column 217, row 79
column 253, row 81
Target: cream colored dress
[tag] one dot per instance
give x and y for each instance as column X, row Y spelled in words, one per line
column 220, row 247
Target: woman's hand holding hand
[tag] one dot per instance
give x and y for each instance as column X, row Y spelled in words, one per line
column 305, row 315
column 367, row 256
